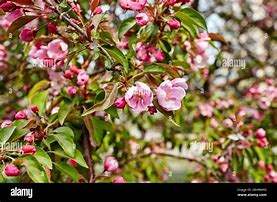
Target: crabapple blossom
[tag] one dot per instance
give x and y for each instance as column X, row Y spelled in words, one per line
column 11, row 170
column 20, row 115
column 142, row 19
column 82, row 78
column 159, row 55
column 8, row 6
column 97, row 10
column 28, row 149
column 110, row 164
column 132, row 4
column 6, row 123
column 228, row 123
column 27, row 35
column 71, row 90
column 206, row 110
column 34, row 108
column 30, row 137
column 139, row 97
column 57, row 49
column 120, row 103
column 72, row 162
column 174, row 24
column 52, row 28
column 171, row 93
column 260, row 133
column 118, row 179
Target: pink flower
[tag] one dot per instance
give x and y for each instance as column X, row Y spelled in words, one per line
column 110, row 164
column 228, row 123
column 8, row 6
column 97, row 10
column 34, row 109
column 262, row 142
column 120, row 103
column 139, row 97
column 198, row 61
column 261, row 164
column 159, row 55
column 206, row 110
column 142, row 19
column 201, row 45
column 82, row 78
column 171, row 93
column 72, row 162
column 20, row 115
column 57, row 49
column 68, row 74
column 71, row 90
column 52, row 28
column 30, row 137
column 118, row 180
column 28, row 149
column 132, row 4
column 27, row 35
column 214, row 123
column 152, row 110
column 6, row 123
column 9, row 18
column 174, row 24
column 260, row 133
column 169, row 2
column 11, row 170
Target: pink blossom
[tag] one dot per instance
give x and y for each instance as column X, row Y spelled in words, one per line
column 20, row 115
column 120, row 103
column 82, row 78
column 6, row 123
column 30, row 137
column 34, row 109
column 261, row 164
column 68, row 74
column 71, row 90
column 174, row 24
column 214, row 123
column 159, row 55
column 139, row 97
column 27, row 35
column 97, row 10
column 57, row 49
column 142, row 19
column 198, row 61
column 9, row 18
column 152, row 109
column 72, row 162
column 28, row 149
column 110, row 164
column 55, row 110
column 206, row 110
column 52, row 28
column 118, row 180
column 171, row 93
column 11, row 170
column 228, row 123
column 260, row 133
column 262, row 142
column 7, row 6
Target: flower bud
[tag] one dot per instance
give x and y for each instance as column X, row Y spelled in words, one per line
column 52, row 28
column 110, row 164
column 142, row 19
column 68, row 74
column 27, row 35
column 30, row 137
column 72, row 162
column 11, row 170
column 82, row 78
column 71, row 90
column 120, row 103
column 118, row 180
column 152, row 110
column 262, row 142
column 6, row 123
column 159, row 55
column 28, row 149
column 174, row 24
column 260, row 133
column 34, row 109
column 97, row 10
column 20, row 115
column 261, row 164
column 228, row 123
column 8, row 6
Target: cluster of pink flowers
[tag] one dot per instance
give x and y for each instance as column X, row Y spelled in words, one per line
column 261, row 138
column 12, row 13
column 148, row 53
column 81, row 76
column 198, row 57
column 140, row 97
column 271, row 174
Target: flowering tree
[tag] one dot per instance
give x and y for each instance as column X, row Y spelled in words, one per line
column 85, row 85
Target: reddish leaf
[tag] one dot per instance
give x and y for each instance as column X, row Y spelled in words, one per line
column 93, row 4
column 20, row 22
column 217, row 37
column 23, row 2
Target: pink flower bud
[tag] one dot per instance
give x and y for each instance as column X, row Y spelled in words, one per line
column 174, row 24
column 34, row 109
column 20, row 115
column 159, row 55
column 11, row 170
column 110, row 164
column 260, row 133
column 8, row 6
column 71, row 90
column 6, row 123
column 270, row 167
column 52, row 28
column 152, row 110
column 68, row 74
column 72, row 162
column 27, row 35
column 142, row 19
column 97, row 10
column 120, row 103
column 30, row 137
column 228, row 123
column 118, row 180
column 262, row 142
column 28, row 149
column 261, row 164
column 82, row 78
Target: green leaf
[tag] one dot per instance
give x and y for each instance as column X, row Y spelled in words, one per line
column 64, row 136
column 40, row 100
column 34, row 169
column 118, row 56
column 106, row 103
column 64, row 110
column 19, row 22
column 99, row 126
column 149, row 32
column 187, row 22
column 112, row 111
column 125, row 26
column 67, row 170
column 36, row 88
column 154, row 69
column 198, row 19
column 43, row 158
column 6, row 133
